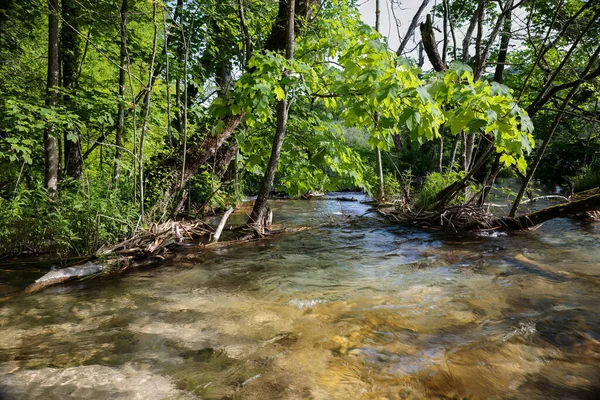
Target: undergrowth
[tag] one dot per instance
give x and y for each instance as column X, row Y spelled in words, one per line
column 78, row 222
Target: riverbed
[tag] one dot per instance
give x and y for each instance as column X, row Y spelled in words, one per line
column 357, row 308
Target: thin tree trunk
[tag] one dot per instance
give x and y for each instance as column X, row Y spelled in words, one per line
column 257, row 215
column 589, row 138
column 122, row 81
column 454, row 46
column 469, row 138
column 482, row 56
column 553, row 128
column 503, row 51
column 467, row 39
column 411, row 27
column 489, row 180
column 146, row 110
column 180, row 50
column 71, row 55
column 50, row 151
column 380, row 186
column 445, row 42
column 168, row 81
column 183, row 120
column 441, row 154
column 468, row 150
column 492, row 174
column 247, row 43
column 454, row 150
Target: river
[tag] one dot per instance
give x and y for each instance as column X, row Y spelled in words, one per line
column 356, row 309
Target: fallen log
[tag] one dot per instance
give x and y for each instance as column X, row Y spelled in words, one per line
column 340, row 198
column 65, row 274
column 527, row 221
column 473, row 218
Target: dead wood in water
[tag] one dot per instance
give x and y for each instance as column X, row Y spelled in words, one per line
column 473, row 218
column 157, row 239
column 585, row 202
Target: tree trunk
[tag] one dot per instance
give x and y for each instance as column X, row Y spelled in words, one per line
column 146, row 110
column 50, row 151
column 503, row 51
column 430, row 45
column 257, row 215
column 441, row 153
column 199, row 153
column 122, row 81
column 167, row 78
column 468, row 151
column 498, row 77
column 454, row 150
column 590, row 202
column 411, row 27
column 379, row 167
column 490, row 179
column 71, row 55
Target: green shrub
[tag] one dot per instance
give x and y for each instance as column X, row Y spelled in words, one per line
column 77, row 222
column 588, row 179
column 434, row 183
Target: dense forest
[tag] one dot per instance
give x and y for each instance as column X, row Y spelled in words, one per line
column 117, row 115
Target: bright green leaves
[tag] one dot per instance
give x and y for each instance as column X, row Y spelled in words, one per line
column 478, row 107
column 28, row 122
column 279, row 93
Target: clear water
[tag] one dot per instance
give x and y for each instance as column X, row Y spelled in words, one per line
column 360, row 309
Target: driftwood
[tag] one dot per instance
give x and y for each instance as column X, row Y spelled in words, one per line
column 65, row 274
column 474, row 218
column 340, row 198
column 219, row 230
column 157, row 239
column 583, row 203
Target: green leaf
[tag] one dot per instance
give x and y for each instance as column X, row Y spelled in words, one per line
column 279, row 93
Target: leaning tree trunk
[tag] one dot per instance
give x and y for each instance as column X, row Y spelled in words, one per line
column 260, row 205
column 498, row 77
column 411, row 27
column 198, row 154
column 590, row 200
column 430, row 45
column 50, row 150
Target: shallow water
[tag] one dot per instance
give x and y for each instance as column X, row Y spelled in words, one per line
column 358, row 309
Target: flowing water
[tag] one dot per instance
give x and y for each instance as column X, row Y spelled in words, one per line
column 358, row 309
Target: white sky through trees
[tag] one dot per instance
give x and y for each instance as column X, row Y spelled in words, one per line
column 404, row 11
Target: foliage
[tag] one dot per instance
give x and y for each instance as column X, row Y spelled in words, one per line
column 78, row 222
column 434, row 183
column 348, row 95
column 589, row 178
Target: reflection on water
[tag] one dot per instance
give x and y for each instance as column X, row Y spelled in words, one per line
column 358, row 310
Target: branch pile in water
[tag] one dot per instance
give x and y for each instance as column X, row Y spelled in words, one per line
column 473, row 218
column 456, row 218
column 157, row 239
